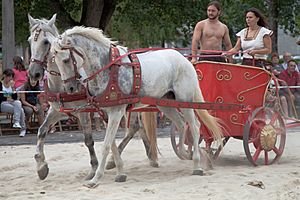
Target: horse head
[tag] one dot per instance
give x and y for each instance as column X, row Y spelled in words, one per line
column 42, row 34
column 70, row 62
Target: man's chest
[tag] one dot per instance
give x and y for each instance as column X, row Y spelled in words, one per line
column 212, row 31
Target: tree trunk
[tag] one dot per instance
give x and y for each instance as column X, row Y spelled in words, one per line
column 8, row 33
column 97, row 13
column 108, row 10
column 273, row 22
column 92, row 12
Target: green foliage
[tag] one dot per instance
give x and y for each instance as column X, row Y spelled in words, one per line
column 152, row 22
column 41, row 9
column 289, row 16
column 74, row 7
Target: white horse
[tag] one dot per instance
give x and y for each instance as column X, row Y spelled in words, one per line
column 42, row 34
column 83, row 54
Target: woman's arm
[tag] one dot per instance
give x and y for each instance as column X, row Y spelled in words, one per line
column 237, row 46
column 24, row 102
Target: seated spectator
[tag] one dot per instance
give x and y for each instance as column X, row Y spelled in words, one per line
column 20, row 73
column 277, row 68
column 271, row 97
column 30, row 101
column 290, row 77
column 286, row 57
column 9, row 102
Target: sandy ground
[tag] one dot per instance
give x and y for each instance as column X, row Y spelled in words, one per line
column 69, row 163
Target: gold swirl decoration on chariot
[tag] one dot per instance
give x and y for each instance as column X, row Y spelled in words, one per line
column 199, row 74
column 223, row 74
column 219, row 99
column 248, row 77
column 234, row 120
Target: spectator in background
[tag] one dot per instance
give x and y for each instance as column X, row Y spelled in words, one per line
column 20, row 72
column 291, row 78
column 286, row 57
column 271, row 96
column 9, row 102
column 31, row 102
column 277, row 68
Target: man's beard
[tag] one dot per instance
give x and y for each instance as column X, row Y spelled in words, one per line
column 211, row 17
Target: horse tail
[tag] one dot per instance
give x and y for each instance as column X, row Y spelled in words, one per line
column 150, row 125
column 212, row 123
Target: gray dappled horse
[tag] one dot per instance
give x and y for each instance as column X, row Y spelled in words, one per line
column 80, row 52
column 42, row 34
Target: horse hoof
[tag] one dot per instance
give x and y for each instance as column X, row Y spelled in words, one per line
column 110, row 165
column 153, row 164
column 90, row 176
column 43, row 171
column 198, row 172
column 90, row 184
column 121, row 178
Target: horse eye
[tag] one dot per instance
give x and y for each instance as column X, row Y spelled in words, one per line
column 66, row 60
column 46, row 42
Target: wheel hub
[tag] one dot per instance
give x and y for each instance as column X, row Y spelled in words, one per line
column 268, row 137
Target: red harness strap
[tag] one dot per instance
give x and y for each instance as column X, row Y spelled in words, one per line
column 113, row 95
column 63, row 97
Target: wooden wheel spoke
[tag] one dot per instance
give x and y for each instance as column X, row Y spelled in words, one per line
column 274, row 118
column 276, row 151
column 279, row 131
column 266, row 158
column 256, row 154
column 252, row 140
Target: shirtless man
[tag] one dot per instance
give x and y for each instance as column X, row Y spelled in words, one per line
column 210, row 34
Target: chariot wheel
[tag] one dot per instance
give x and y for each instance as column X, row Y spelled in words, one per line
column 264, row 136
column 188, row 142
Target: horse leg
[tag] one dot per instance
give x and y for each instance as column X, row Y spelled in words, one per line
column 148, row 134
column 85, row 122
column 114, row 118
column 51, row 119
column 134, row 127
column 121, row 176
column 176, row 118
column 190, row 117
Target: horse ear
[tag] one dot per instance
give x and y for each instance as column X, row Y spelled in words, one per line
column 65, row 40
column 52, row 20
column 32, row 21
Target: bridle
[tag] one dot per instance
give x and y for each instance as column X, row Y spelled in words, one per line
column 43, row 62
column 77, row 75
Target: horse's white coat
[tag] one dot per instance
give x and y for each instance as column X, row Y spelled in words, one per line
column 162, row 71
column 39, row 49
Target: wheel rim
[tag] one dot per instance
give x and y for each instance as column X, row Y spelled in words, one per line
column 264, row 136
column 188, row 141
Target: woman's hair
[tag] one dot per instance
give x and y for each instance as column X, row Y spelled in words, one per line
column 262, row 19
column 18, row 62
column 28, row 86
column 274, row 55
column 8, row 72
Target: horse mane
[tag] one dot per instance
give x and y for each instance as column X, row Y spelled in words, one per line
column 43, row 24
column 91, row 33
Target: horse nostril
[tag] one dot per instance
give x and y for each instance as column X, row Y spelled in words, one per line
column 37, row 75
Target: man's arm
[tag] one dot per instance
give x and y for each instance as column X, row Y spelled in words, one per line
column 227, row 40
column 195, row 40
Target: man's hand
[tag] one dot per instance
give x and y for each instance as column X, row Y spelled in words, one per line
column 194, row 60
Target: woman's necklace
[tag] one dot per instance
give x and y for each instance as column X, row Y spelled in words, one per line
column 251, row 35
